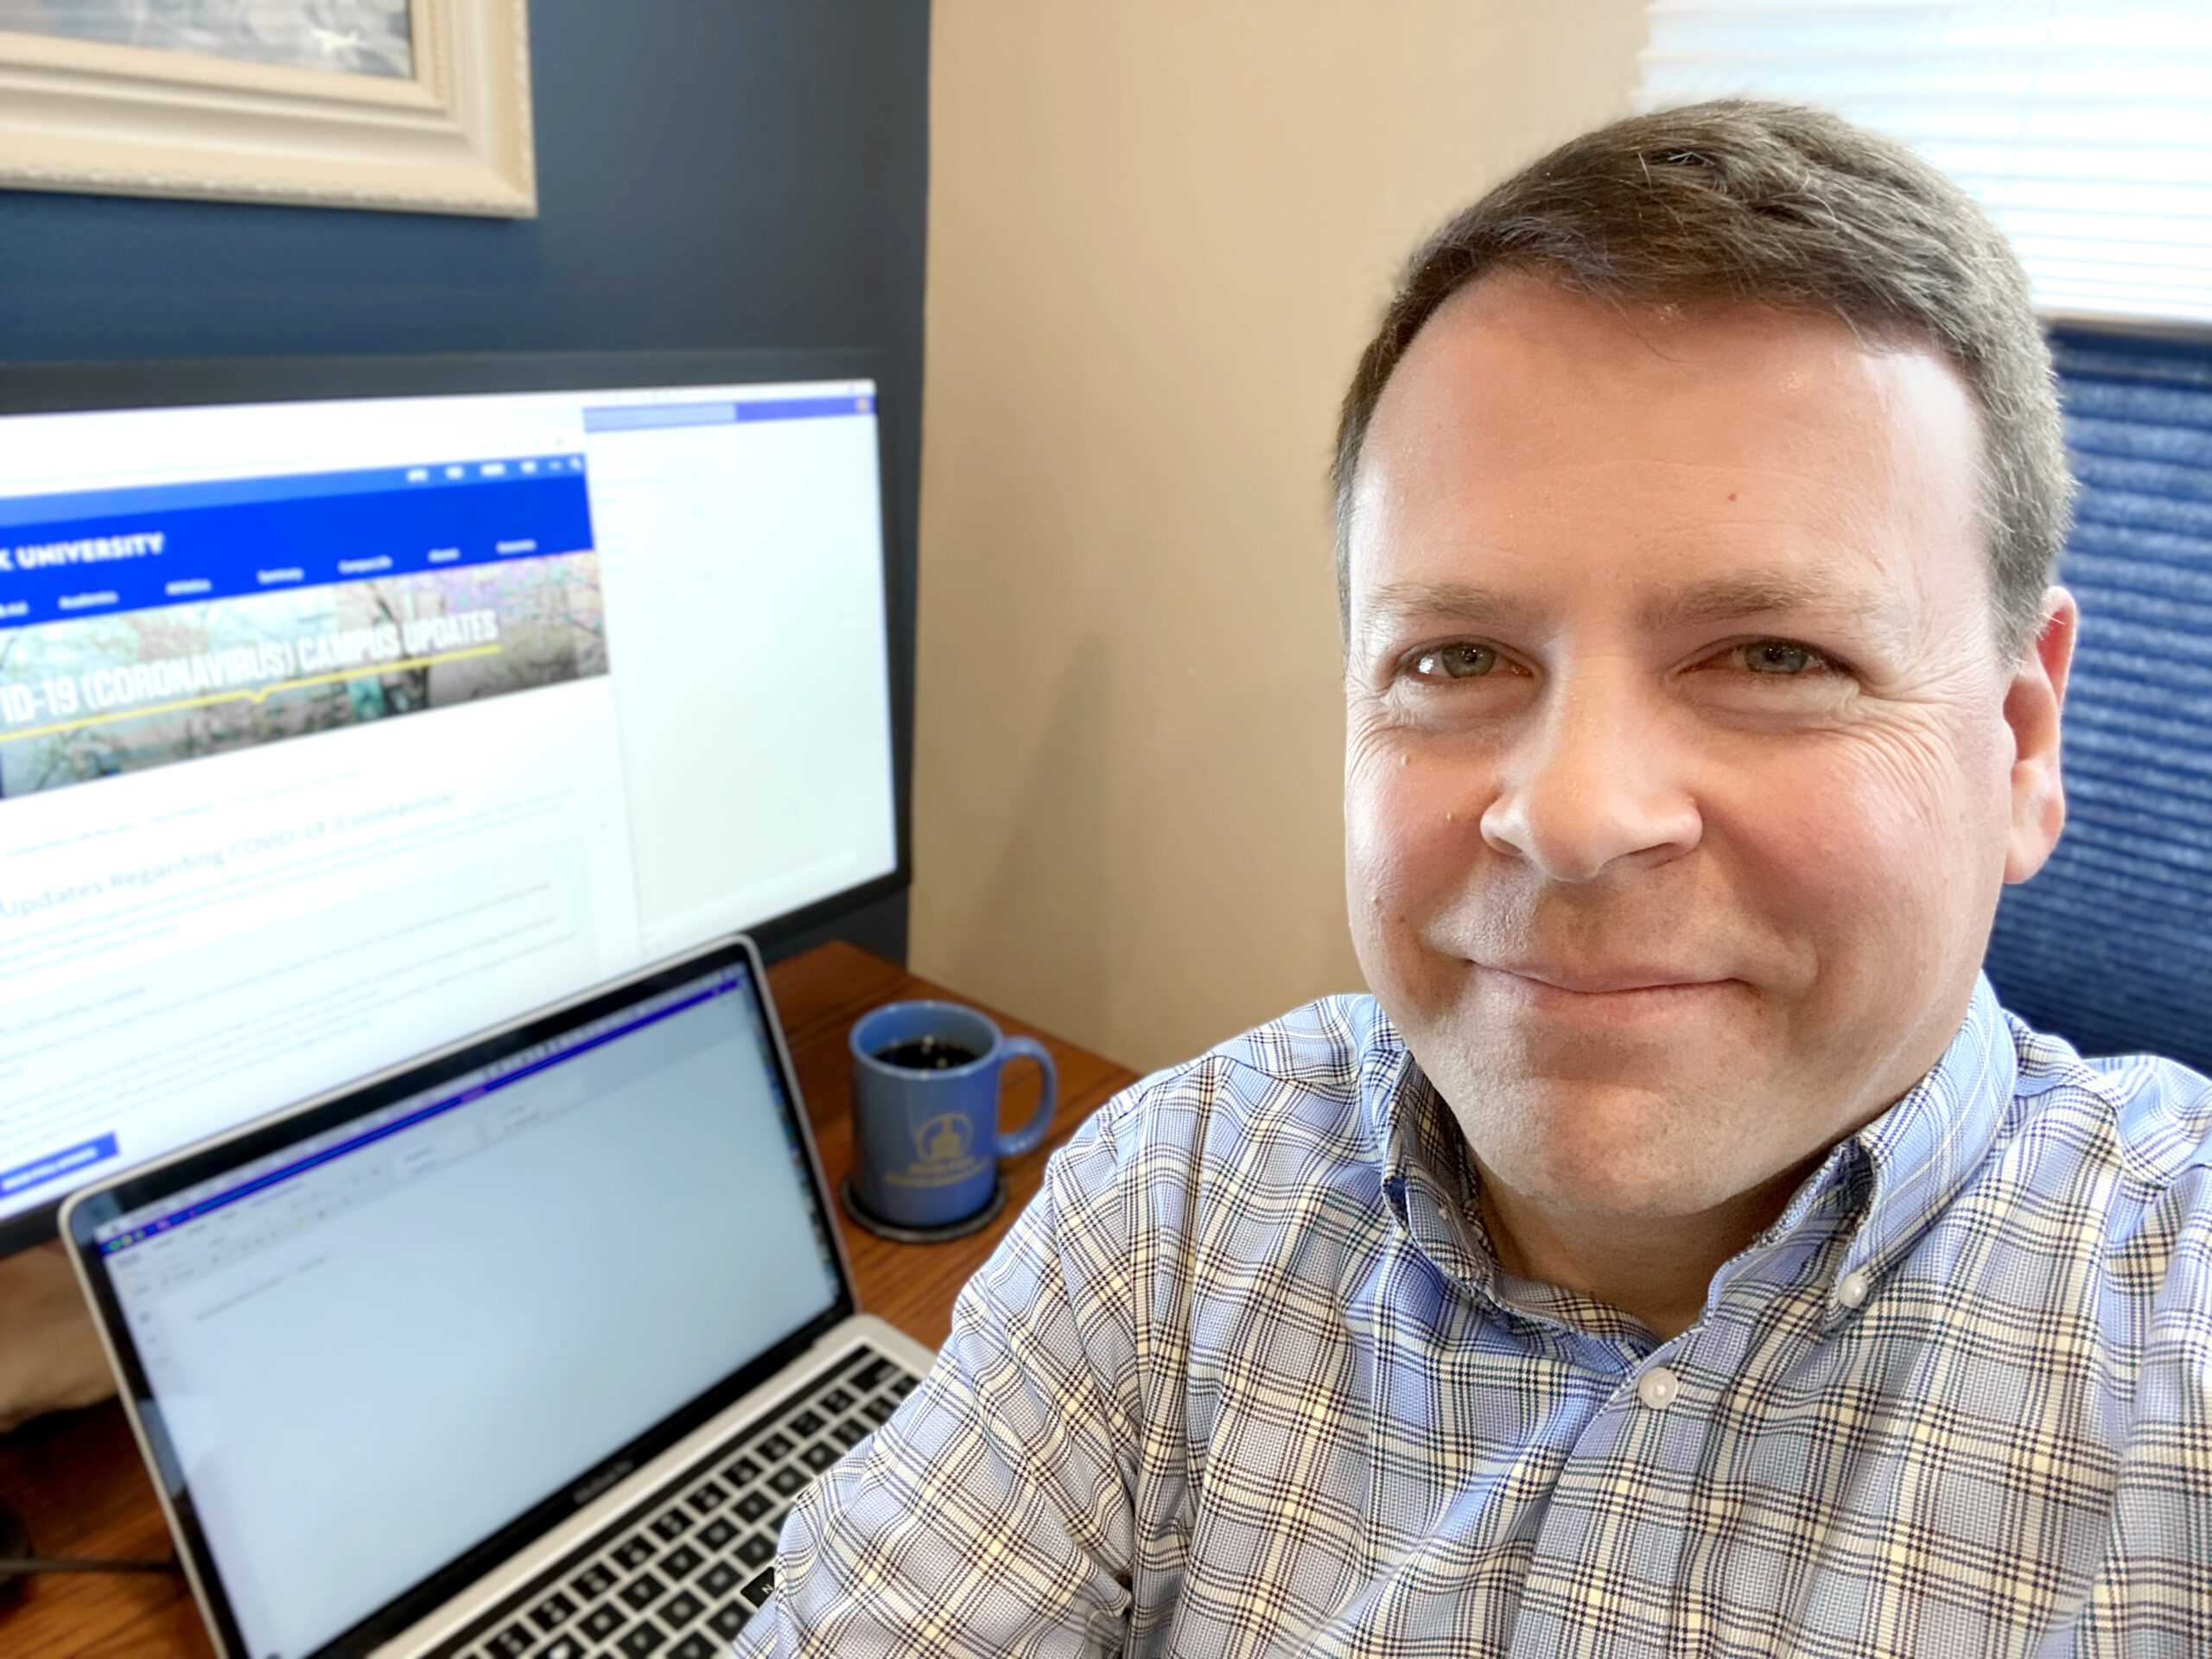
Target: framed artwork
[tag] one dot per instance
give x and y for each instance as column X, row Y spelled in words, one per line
column 421, row 105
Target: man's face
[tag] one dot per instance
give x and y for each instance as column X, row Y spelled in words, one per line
column 1682, row 773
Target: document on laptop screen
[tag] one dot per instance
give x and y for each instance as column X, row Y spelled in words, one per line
column 371, row 1350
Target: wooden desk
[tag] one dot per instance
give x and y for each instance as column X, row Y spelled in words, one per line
column 76, row 1479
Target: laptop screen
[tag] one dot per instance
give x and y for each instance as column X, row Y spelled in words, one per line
column 372, row 1349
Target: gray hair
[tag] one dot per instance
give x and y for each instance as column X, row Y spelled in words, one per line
column 1771, row 204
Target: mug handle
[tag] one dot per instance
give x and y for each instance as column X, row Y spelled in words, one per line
column 1048, row 1098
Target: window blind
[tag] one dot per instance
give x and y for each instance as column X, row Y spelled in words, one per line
column 2085, row 130
column 2111, row 944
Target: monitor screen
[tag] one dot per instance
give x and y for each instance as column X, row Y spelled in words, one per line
column 335, row 730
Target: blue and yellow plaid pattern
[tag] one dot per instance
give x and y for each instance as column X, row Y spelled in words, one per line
column 1245, row 1380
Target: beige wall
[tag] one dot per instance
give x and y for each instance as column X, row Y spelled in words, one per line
column 1159, row 235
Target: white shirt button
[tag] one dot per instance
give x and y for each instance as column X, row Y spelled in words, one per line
column 1657, row 1388
column 1853, row 1289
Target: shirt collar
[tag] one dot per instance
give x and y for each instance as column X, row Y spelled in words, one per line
column 1427, row 1177
column 1907, row 1166
column 1923, row 1151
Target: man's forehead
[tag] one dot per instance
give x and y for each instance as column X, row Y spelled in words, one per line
column 1541, row 372
column 1739, row 463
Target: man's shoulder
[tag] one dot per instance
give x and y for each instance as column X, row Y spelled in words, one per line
column 1329, row 1046
column 2149, row 1116
column 2109, row 1161
column 1313, row 1075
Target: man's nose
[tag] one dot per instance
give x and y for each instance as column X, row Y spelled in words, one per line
column 1596, row 780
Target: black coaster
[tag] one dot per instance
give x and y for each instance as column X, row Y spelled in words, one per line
column 891, row 1229
column 15, row 1543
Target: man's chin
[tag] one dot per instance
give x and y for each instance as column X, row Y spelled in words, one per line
column 1619, row 1151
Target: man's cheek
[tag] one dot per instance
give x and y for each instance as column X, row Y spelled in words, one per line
column 1905, row 834
column 1409, row 839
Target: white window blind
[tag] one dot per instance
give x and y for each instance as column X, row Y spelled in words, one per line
column 2085, row 130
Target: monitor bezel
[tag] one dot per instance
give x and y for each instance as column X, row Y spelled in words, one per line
column 180, row 383
column 89, row 1208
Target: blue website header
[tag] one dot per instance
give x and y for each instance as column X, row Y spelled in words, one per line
column 92, row 554
column 282, row 486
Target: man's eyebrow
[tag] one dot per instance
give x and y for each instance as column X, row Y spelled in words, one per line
column 1456, row 601
column 1762, row 593
column 1742, row 596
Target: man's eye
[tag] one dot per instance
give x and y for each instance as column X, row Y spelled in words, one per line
column 1460, row 660
column 1778, row 657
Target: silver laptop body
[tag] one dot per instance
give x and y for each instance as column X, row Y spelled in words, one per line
column 518, row 1351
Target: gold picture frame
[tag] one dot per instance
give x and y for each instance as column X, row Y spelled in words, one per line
column 451, row 137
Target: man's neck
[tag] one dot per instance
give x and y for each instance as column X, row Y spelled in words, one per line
column 1656, row 1269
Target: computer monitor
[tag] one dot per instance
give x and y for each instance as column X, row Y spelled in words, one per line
column 348, row 707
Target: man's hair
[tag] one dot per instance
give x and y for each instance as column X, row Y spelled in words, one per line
column 1738, row 202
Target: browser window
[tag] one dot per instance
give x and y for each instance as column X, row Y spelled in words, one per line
column 331, row 732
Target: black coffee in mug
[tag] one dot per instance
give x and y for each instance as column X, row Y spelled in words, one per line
column 927, row 1054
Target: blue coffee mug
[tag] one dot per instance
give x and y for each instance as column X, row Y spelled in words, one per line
column 926, row 1143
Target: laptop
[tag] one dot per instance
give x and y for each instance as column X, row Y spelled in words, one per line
column 522, row 1348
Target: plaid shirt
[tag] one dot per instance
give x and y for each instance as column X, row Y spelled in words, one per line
column 1245, row 1379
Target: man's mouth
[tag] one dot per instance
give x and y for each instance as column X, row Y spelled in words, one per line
column 1653, row 982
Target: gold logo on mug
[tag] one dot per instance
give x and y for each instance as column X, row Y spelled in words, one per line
column 944, row 1139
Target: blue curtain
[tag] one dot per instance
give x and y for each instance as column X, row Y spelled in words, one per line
column 2111, row 945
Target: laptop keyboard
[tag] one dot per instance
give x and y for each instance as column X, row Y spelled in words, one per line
column 678, row 1575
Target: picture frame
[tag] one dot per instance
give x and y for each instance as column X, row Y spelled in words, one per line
column 452, row 136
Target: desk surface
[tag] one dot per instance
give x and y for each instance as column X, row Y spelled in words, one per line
column 75, row 1476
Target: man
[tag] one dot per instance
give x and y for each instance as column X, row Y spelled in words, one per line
column 1681, row 1253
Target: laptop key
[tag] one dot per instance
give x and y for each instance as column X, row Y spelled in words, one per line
column 717, row 1532
column 728, row 1621
column 743, row 1472
column 760, row 1590
column 879, row 1409
column 756, row 1549
column 634, row 1551
column 872, row 1373
column 787, row 1480
column 820, row 1456
column 837, row 1400
column 602, row 1622
column 849, row 1433
column 681, row 1609
column 694, row 1646
column 682, row 1562
column 720, row 1579
column 672, row 1525
column 553, row 1611
column 510, row 1643
column 640, row 1639
column 807, row 1423
column 775, row 1447
column 707, row 1496
column 753, row 1505
column 593, row 1582
column 643, row 1591
column 562, row 1646
column 899, row 1387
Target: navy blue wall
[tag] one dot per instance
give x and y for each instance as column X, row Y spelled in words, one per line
column 733, row 173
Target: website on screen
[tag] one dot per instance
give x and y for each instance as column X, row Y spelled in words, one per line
column 333, row 732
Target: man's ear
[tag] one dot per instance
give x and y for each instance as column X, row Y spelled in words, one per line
column 2031, row 707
